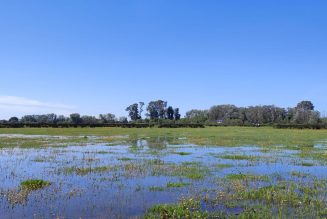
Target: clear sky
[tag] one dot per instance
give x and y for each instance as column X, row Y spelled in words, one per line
column 97, row 56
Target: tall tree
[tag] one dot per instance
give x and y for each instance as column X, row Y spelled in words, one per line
column 170, row 113
column 177, row 115
column 141, row 105
column 133, row 111
column 157, row 109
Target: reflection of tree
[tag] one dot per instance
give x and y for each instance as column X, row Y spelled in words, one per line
column 151, row 143
column 157, row 143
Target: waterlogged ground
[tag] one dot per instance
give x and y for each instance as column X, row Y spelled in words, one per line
column 158, row 177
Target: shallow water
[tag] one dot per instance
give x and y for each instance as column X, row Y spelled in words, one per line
column 123, row 189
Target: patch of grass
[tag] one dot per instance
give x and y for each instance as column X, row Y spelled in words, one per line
column 191, row 163
column 104, row 152
column 223, row 166
column 34, row 184
column 156, row 189
column 177, row 185
column 249, row 177
column 186, row 208
column 274, row 194
column 183, row 153
column 124, row 159
column 194, row 172
column 305, row 164
column 82, row 171
column 239, row 157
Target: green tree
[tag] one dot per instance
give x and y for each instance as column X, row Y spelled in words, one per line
column 170, row 113
column 107, row 118
column 305, row 105
column 157, row 109
column 133, row 112
column 13, row 120
column 177, row 115
column 75, row 118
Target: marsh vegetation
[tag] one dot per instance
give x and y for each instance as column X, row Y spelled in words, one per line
column 221, row 172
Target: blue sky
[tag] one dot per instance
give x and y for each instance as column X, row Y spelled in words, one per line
column 100, row 56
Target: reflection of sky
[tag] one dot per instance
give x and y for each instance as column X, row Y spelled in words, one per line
column 102, row 191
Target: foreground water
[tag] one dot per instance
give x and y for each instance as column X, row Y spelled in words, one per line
column 125, row 180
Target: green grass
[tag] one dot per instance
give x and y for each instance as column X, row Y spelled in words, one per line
column 184, row 209
column 249, row 177
column 125, row 159
column 183, row 153
column 156, row 189
column 34, row 184
column 177, row 185
column 224, row 136
column 305, row 164
column 223, row 166
column 239, row 157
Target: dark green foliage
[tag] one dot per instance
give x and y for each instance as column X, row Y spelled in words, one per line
column 302, row 116
column 170, row 113
column 305, row 105
column 133, row 112
column 13, row 120
column 76, row 118
column 177, row 116
column 157, row 109
column 197, row 116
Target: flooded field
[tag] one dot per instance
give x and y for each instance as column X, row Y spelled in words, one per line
column 159, row 177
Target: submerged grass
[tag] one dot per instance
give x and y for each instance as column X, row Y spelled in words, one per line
column 177, row 184
column 82, row 171
column 239, row 157
column 183, row 153
column 249, row 177
column 223, row 166
column 236, row 195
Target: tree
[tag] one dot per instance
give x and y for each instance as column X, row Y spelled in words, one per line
column 223, row 112
column 197, row 116
column 133, row 112
column 157, row 109
column 177, row 115
column 28, row 119
column 89, row 120
column 141, row 105
column 123, row 119
column 170, row 113
column 305, row 105
column 107, row 118
column 75, row 118
column 62, row 119
column 13, row 120
column 304, row 113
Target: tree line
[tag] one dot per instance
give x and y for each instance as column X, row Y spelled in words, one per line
column 303, row 113
column 159, row 113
